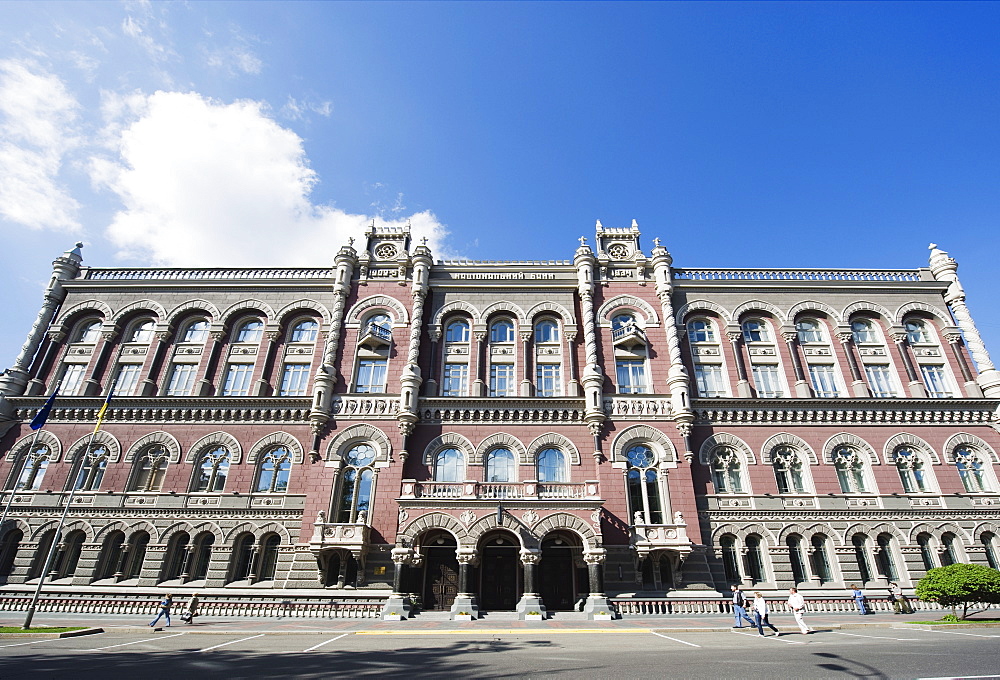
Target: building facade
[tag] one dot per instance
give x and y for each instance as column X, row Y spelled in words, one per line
column 501, row 435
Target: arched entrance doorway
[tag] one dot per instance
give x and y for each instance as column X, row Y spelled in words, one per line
column 500, row 578
column 561, row 583
column 440, row 583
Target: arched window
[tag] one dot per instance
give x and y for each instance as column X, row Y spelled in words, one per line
column 885, row 557
column 380, row 319
column 864, row 332
column 754, row 559
column 275, row 467
column 502, row 331
column 142, row 331
column 69, row 556
column 135, row 554
column 305, row 331
column 911, row 471
column 8, row 551
column 175, row 559
column 357, row 480
column 788, row 471
column 642, row 479
column 623, row 320
column 197, row 331
column 726, row 471
column 201, row 556
column 449, row 466
column 820, row 558
column 241, row 563
column 268, row 557
column 500, row 466
column 92, row 468
column 150, row 469
column 972, row 469
column 110, row 558
column 795, row 556
column 212, row 471
column 949, row 552
column 730, row 558
column 755, row 330
column 546, row 330
column 90, row 331
column 457, row 331
column 926, row 553
column 989, row 541
column 34, row 463
column 552, row 466
column 917, row 333
column 700, row 330
column 41, row 554
column 861, row 550
column 850, row 470
column 809, row 330
column 250, row 331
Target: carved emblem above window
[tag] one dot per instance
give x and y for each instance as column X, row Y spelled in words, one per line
column 618, row 251
column 386, row 251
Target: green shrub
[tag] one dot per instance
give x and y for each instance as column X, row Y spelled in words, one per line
column 960, row 585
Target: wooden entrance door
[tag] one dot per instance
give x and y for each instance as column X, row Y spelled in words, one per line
column 557, row 576
column 500, row 571
column 440, row 577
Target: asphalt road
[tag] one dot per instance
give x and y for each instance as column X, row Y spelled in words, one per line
column 178, row 655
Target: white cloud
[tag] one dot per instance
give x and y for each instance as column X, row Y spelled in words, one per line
column 140, row 24
column 238, row 57
column 205, row 183
column 297, row 110
column 37, row 119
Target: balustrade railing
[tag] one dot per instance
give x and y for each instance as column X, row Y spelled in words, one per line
column 205, row 274
column 635, row 606
column 499, row 490
column 561, row 491
column 440, row 490
column 896, row 275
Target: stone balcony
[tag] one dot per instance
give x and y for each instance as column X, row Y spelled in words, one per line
column 345, row 536
column 470, row 490
column 646, row 537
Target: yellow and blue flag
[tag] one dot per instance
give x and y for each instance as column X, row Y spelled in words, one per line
column 104, row 409
column 43, row 413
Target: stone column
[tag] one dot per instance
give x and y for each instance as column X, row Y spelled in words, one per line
column 972, row 388
column 916, row 386
column 597, row 605
column 92, row 385
column 210, row 356
column 397, row 607
column 37, row 384
column 527, row 364
column 147, row 387
column 736, row 342
column 263, row 388
column 478, row 387
column 530, row 601
column 465, row 600
column 593, row 376
column 14, row 381
column 945, row 268
column 573, row 385
column 846, row 339
column 431, row 385
column 409, row 399
column 326, row 377
column 802, row 388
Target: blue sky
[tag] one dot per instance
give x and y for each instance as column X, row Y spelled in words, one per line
column 744, row 134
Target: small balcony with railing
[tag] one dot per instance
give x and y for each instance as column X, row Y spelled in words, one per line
column 530, row 490
column 375, row 336
column 628, row 335
column 352, row 536
column 648, row 536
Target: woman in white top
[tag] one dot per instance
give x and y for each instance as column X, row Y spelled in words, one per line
column 760, row 612
column 797, row 604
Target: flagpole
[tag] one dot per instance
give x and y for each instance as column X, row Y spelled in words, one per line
column 62, row 520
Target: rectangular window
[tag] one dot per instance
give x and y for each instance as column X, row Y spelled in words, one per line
column 631, row 377
column 824, row 380
column 456, row 380
column 72, row 378
column 880, row 380
column 181, row 380
column 127, row 379
column 708, row 377
column 547, row 380
column 934, row 378
column 767, row 381
column 237, row 380
column 502, row 380
column 371, row 376
column 294, row 380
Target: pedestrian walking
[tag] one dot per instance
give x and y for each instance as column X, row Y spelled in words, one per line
column 739, row 608
column 797, row 604
column 859, row 598
column 760, row 613
column 165, row 604
column 898, row 598
column 191, row 610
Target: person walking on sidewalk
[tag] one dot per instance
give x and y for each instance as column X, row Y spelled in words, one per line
column 165, row 604
column 760, row 613
column 191, row 610
column 797, row 604
column 859, row 598
column 900, row 603
column 739, row 608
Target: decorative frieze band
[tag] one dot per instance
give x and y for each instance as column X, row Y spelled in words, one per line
column 896, row 412
column 169, row 410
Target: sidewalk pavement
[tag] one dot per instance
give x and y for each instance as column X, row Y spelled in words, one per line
column 437, row 622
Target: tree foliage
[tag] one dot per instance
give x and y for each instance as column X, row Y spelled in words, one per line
column 960, row 585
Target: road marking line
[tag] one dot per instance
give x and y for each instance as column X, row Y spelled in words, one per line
column 876, row 637
column 134, row 642
column 231, row 642
column 768, row 637
column 955, row 632
column 34, row 642
column 503, row 631
column 323, row 643
column 690, row 644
